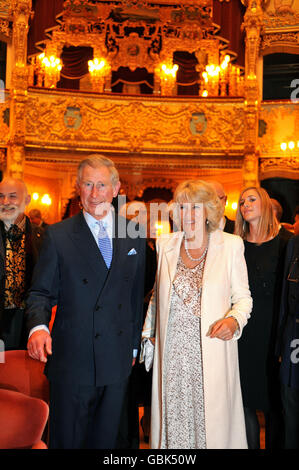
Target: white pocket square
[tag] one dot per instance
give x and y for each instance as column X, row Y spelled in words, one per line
column 132, row 252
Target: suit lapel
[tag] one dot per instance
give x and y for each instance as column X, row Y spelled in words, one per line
column 87, row 247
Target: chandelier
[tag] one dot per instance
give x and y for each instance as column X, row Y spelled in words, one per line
column 99, row 70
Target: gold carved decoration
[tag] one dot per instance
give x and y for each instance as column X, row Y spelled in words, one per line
column 20, row 13
column 138, row 125
column 5, row 29
column 253, row 25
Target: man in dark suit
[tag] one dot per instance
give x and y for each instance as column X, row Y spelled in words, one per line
column 226, row 224
column 99, row 297
column 19, row 245
column 288, row 344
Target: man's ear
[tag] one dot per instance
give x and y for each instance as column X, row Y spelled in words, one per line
column 116, row 189
column 27, row 199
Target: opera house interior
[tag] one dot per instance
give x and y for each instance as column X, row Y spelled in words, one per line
column 169, row 90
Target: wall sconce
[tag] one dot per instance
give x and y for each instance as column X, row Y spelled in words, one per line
column 222, row 80
column 45, row 199
column 50, row 68
column 291, row 145
column 167, row 75
column 99, row 69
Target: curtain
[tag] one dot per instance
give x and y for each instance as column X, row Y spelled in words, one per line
column 45, row 12
column 75, row 66
column 229, row 16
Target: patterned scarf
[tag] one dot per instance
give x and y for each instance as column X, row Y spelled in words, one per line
column 15, row 265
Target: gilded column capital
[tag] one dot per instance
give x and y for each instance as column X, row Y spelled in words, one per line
column 253, row 25
column 21, row 10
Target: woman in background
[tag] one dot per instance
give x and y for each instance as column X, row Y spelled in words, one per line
column 264, row 253
column 198, row 309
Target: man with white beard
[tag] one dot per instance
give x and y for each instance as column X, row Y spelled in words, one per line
column 19, row 245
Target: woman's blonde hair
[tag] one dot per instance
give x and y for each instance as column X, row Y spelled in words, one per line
column 201, row 192
column 268, row 226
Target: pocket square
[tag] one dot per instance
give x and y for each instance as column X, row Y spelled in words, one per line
column 132, row 252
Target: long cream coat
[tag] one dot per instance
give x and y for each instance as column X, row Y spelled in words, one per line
column 225, row 292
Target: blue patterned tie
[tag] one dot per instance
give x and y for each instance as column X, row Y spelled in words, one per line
column 104, row 244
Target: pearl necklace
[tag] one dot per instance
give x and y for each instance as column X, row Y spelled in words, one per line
column 196, row 259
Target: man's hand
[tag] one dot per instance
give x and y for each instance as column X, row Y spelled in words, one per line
column 40, row 345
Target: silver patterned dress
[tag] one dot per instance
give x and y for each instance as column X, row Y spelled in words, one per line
column 183, row 417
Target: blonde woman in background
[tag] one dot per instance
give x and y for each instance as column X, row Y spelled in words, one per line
column 200, row 304
column 264, row 253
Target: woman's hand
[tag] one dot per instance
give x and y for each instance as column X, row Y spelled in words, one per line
column 223, row 329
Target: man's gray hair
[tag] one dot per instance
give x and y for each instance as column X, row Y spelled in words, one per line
column 97, row 161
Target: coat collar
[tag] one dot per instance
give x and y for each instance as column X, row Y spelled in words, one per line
column 172, row 250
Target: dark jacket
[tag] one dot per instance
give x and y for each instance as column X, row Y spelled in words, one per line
column 288, row 333
column 99, row 312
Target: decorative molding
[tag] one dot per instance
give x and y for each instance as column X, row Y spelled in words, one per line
column 134, row 124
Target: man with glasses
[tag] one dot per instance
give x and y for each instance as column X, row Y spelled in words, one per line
column 95, row 277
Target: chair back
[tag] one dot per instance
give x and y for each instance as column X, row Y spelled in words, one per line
column 22, row 421
column 22, row 374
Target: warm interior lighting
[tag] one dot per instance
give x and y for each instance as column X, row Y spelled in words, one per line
column 51, row 67
column 162, row 227
column 224, row 79
column 170, row 71
column 167, row 75
column 291, row 145
column 234, row 206
column 46, row 200
column 35, row 196
column 99, row 70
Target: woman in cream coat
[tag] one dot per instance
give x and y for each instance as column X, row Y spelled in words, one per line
column 225, row 306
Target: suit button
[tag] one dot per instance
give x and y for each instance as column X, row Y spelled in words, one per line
column 120, row 333
column 85, row 281
column 97, row 335
column 119, row 306
column 98, row 307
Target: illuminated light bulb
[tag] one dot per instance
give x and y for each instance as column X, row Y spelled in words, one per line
column 227, row 58
column 291, row 145
column 234, row 206
column 46, row 200
column 283, row 146
column 35, row 196
column 205, row 93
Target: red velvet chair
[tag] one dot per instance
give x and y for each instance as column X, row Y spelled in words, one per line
column 22, row 374
column 22, row 421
